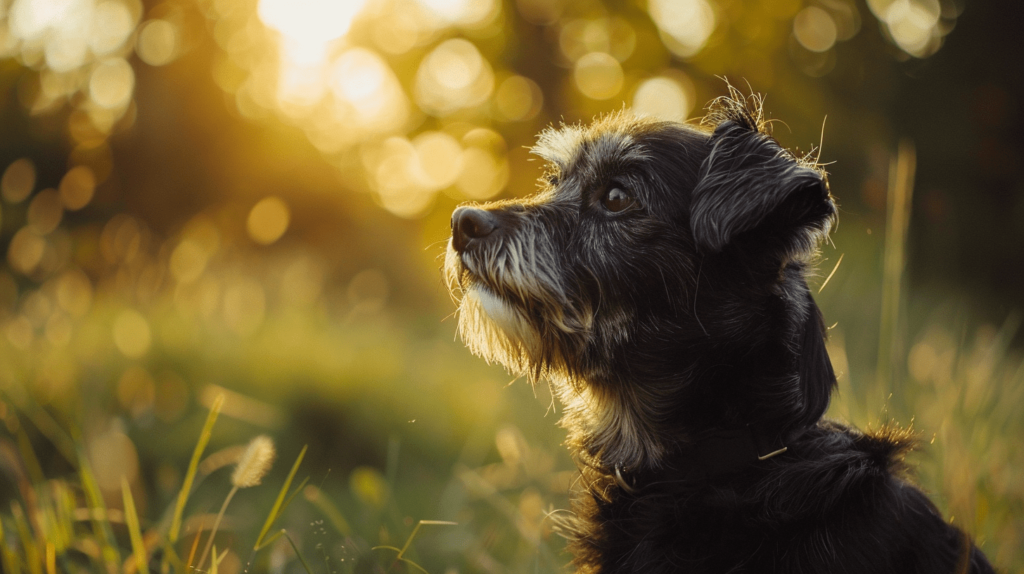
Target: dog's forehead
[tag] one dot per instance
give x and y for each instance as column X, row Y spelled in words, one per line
column 569, row 148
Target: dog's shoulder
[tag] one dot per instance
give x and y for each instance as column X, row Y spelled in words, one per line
column 839, row 465
column 842, row 483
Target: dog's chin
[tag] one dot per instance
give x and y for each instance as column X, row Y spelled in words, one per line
column 494, row 330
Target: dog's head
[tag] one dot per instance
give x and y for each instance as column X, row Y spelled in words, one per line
column 656, row 279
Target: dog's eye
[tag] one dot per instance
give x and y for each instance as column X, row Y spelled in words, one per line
column 616, row 200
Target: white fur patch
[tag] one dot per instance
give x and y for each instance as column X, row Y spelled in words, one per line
column 492, row 329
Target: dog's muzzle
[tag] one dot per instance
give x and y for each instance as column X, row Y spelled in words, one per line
column 470, row 225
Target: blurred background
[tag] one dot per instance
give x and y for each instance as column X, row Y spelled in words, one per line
column 250, row 199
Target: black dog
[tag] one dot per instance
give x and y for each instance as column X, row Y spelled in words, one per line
column 657, row 281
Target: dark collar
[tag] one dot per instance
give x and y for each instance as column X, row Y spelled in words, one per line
column 717, row 455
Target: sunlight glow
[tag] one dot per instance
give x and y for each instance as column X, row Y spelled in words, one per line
column 663, row 97
column 362, row 79
column 518, row 99
column 112, row 83
column 685, row 25
column 268, row 220
column 914, row 25
column 452, row 77
column 158, row 42
column 310, row 21
column 464, row 12
column 815, row 29
column 598, row 75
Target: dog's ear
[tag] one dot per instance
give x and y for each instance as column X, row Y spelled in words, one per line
column 817, row 379
column 749, row 182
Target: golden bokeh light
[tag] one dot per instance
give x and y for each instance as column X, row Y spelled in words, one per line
column 200, row 240
column 132, row 335
column 664, row 97
column 439, row 157
column 482, row 175
column 685, row 25
column 74, row 292
column 815, row 29
column 484, row 167
column 268, row 220
column 18, row 180
column 369, row 94
column 157, row 43
column 122, row 239
column 452, row 77
column 598, row 75
column 300, row 84
column 397, row 33
column 25, row 250
column 395, row 165
column 518, row 99
column 45, row 211
column 77, row 188
column 111, row 83
column 914, row 25
column 470, row 13
column 310, row 22
column 112, row 24
column 612, row 35
column 188, row 260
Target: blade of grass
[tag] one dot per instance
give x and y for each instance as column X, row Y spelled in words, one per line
column 53, row 431
column 32, row 558
column 195, row 544
column 28, row 456
column 297, row 553
column 408, row 542
column 901, row 189
column 271, row 539
column 190, row 475
column 134, row 532
column 417, row 529
column 276, row 509
column 98, row 510
column 53, row 533
column 8, row 558
column 171, row 557
column 292, row 495
column 834, row 269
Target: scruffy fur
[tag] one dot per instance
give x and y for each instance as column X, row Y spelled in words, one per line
column 677, row 320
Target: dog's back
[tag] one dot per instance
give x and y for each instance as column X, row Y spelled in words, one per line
column 836, row 503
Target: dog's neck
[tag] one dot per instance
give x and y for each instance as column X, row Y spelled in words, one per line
column 653, row 426
column 714, row 457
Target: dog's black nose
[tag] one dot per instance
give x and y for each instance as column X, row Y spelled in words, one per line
column 469, row 223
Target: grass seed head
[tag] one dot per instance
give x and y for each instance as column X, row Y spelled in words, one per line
column 254, row 462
